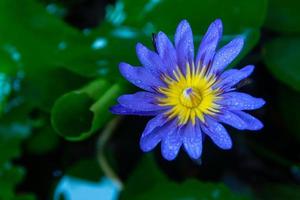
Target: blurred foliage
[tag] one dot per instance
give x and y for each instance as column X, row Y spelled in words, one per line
column 280, row 191
column 284, row 16
column 290, row 108
column 56, row 78
column 148, row 182
column 11, row 136
column 87, row 169
column 281, row 56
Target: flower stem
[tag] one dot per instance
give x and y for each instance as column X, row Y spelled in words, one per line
column 102, row 141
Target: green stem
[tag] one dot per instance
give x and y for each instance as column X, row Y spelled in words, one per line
column 102, row 141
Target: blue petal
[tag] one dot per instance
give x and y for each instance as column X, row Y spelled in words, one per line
column 251, row 122
column 141, row 101
column 209, row 43
column 233, row 76
column 184, row 44
column 192, row 140
column 227, row 54
column 217, row 133
column 120, row 110
column 140, row 77
column 150, row 60
column 153, row 133
column 166, row 52
column 240, row 101
column 232, row 119
column 171, row 142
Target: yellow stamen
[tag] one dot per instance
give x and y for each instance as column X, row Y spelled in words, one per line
column 189, row 95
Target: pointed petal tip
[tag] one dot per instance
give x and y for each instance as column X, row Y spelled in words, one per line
column 122, row 67
column 249, row 68
column 148, row 143
column 169, row 156
column 182, row 29
column 144, row 147
column 218, row 22
column 261, row 101
column 139, row 46
column 227, row 146
column 239, row 40
column 258, row 126
column 194, row 156
column 183, row 23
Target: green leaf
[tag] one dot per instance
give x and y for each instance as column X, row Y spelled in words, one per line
column 283, row 16
column 78, row 114
column 148, row 182
column 289, row 107
column 45, row 55
column 130, row 18
column 87, row 169
column 43, row 89
column 43, row 140
column 24, row 197
column 15, row 127
column 71, row 114
column 146, row 175
column 10, row 176
column 11, row 136
column 152, row 16
column 279, row 192
column 42, row 47
column 281, row 57
column 191, row 189
column 41, row 43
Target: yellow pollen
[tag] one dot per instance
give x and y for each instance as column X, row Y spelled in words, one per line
column 189, row 95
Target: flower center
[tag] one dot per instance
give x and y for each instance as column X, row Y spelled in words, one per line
column 191, row 97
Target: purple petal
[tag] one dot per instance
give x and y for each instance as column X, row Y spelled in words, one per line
column 232, row 119
column 233, row 76
column 150, row 60
column 153, row 133
column 251, row 122
column 227, row 54
column 171, row 142
column 142, row 101
column 217, row 133
column 120, row 110
column 240, row 101
column 209, row 43
column 166, row 52
column 140, row 77
column 184, row 44
column 192, row 140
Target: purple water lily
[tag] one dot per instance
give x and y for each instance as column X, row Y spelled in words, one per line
column 189, row 96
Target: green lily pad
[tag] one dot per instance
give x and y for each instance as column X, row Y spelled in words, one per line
column 78, row 114
column 283, row 16
column 281, row 56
